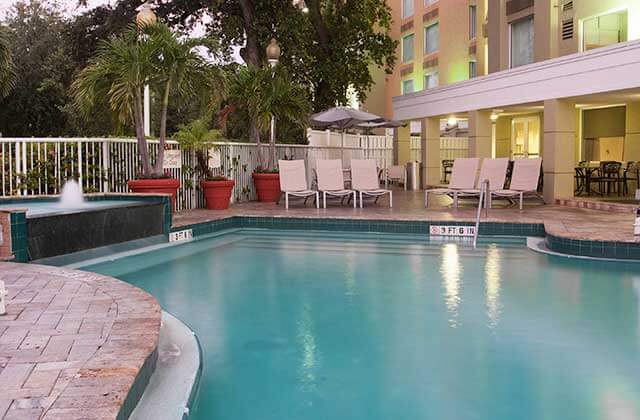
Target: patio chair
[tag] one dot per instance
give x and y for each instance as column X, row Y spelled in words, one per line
column 463, row 177
column 331, row 180
column 397, row 173
column 293, row 181
column 494, row 170
column 364, row 179
column 526, row 173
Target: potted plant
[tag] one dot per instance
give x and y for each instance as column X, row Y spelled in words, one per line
column 195, row 137
column 146, row 55
column 264, row 93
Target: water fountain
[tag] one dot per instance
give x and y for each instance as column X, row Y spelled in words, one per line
column 71, row 196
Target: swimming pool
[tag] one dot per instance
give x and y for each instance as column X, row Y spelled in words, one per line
column 315, row 325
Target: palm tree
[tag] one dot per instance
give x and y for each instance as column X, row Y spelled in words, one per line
column 151, row 55
column 263, row 94
column 7, row 69
column 179, row 72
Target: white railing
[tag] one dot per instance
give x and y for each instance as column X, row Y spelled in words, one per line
column 36, row 166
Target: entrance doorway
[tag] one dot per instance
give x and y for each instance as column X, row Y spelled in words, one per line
column 525, row 137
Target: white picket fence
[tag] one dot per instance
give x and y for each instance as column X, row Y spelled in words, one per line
column 450, row 148
column 37, row 166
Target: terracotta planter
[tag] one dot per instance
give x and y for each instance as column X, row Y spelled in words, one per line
column 267, row 186
column 156, row 186
column 217, row 193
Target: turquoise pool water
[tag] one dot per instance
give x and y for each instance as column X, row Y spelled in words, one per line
column 299, row 325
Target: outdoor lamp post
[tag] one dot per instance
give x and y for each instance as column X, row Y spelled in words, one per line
column 146, row 16
column 273, row 56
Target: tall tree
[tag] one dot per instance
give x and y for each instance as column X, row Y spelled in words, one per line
column 329, row 49
column 43, row 71
column 7, row 69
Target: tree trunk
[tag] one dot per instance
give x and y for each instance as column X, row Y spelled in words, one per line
column 251, row 54
column 138, row 119
column 251, row 51
column 324, row 41
column 163, row 129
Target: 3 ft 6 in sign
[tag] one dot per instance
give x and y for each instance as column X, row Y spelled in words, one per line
column 445, row 230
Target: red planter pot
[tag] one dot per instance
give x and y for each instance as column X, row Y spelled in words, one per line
column 156, row 186
column 267, row 186
column 217, row 193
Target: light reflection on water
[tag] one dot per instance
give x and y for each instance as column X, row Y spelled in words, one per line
column 451, row 270
column 307, row 343
column 492, row 270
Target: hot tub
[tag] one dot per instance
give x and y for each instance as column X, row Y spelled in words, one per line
column 42, row 228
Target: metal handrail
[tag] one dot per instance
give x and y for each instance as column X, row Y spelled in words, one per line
column 484, row 189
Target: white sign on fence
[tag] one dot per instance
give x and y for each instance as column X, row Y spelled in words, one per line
column 172, row 159
column 182, row 235
column 446, row 230
column 214, row 158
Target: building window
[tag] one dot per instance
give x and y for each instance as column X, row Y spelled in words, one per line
column 431, row 38
column 473, row 69
column 472, row 21
column 429, row 2
column 407, row 48
column 431, row 80
column 604, row 30
column 407, row 86
column 521, row 42
column 407, row 8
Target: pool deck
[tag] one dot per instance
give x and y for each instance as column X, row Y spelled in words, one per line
column 73, row 345
column 611, row 223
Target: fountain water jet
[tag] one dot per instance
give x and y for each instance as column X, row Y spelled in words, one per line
column 71, row 197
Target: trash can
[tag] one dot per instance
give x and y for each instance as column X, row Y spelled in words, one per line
column 413, row 176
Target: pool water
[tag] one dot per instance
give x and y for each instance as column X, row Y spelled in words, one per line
column 301, row 325
column 40, row 208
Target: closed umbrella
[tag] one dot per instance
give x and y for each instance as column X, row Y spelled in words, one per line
column 342, row 118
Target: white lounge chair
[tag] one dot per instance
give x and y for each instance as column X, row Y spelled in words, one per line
column 524, row 180
column 331, row 180
column 364, row 179
column 293, row 181
column 463, row 177
column 494, row 170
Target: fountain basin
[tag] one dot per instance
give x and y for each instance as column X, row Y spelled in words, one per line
column 40, row 227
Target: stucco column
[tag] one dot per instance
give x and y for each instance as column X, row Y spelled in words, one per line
column 632, row 132
column 558, row 149
column 480, row 134
column 430, row 143
column 402, row 142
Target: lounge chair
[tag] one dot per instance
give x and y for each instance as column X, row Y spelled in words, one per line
column 494, row 170
column 364, row 179
column 463, row 177
column 293, row 181
column 526, row 174
column 331, row 180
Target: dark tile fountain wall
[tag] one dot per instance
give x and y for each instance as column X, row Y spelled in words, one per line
column 53, row 235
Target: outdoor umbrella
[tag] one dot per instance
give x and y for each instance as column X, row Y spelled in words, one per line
column 343, row 118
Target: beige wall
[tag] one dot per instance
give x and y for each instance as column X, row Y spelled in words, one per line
column 454, row 46
column 603, row 122
column 589, row 8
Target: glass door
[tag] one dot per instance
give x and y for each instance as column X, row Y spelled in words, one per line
column 525, row 138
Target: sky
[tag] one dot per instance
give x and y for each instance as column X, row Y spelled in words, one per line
column 70, row 5
column 72, row 8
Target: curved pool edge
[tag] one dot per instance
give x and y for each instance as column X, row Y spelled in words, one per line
column 172, row 389
column 539, row 245
column 103, row 334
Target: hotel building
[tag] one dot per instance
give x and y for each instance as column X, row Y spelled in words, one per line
column 559, row 79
